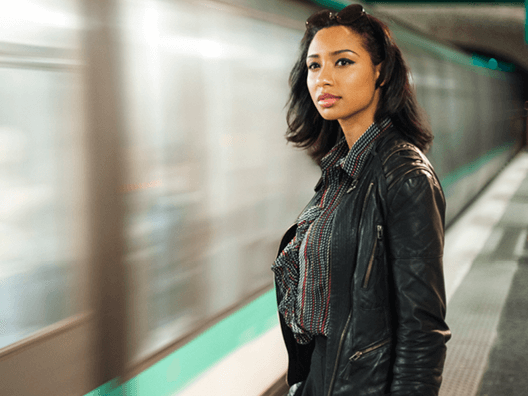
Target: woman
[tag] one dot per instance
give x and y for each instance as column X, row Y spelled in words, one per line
column 359, row 279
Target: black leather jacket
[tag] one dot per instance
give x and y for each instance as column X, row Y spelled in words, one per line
column 387, row 332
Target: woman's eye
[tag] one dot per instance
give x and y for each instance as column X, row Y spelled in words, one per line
column 344, row 62
column 313, row 66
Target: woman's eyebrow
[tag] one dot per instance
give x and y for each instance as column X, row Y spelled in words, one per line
column 344, row 50
column 333, row 53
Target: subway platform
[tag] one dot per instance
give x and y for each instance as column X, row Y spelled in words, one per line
column 486, row 269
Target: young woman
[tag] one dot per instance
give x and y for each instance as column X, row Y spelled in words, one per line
column 359, row 279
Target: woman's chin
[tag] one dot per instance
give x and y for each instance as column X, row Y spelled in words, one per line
column 328, row 116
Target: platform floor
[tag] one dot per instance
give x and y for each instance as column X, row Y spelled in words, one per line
column 486, row 267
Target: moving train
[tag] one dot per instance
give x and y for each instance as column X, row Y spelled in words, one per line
column 146, row 180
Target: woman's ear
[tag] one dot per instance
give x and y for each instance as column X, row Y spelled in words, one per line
column 378, row 76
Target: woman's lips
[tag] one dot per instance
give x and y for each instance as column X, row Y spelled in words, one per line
column 327, row 100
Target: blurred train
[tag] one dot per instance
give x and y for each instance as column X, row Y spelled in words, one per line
column 145, row 180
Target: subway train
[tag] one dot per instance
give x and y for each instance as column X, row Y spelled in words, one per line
column 145, row 179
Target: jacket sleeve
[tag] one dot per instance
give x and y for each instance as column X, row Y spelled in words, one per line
column 415, row 237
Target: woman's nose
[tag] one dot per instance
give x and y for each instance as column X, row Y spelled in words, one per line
column 325, row 76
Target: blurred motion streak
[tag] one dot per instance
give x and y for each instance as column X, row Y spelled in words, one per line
column 100, row 94
column 40, row 140
column 105, row 140
column 205, row 92
column 132, row 187
column 45, row 309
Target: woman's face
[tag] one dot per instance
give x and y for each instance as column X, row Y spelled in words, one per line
column 341, row 76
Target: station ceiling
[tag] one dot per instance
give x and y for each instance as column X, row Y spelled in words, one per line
column 496, row 30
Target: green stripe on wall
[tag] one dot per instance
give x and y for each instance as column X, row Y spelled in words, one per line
column 179, row 369
column 464, row 171
column 334, row 4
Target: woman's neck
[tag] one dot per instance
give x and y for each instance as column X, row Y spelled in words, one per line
column 353, row 129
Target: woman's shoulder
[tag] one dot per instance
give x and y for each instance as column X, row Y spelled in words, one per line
column 401, row 160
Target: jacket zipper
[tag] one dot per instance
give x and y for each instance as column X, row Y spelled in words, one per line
column 359, row 354
column 364, row 203
column 331, row 387
column 379, row 235
column 353, row 185
column 366, row 197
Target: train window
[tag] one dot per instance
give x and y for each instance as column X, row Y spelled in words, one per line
column 45, row 317
column 40, row 169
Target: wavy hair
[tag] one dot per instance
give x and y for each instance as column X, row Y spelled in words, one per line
column 308, row 130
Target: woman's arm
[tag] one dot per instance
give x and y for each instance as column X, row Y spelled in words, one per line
column 415, row 231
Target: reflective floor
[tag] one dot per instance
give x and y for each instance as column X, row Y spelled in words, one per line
column 488, row 299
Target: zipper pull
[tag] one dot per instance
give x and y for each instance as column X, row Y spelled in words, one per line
column 355, row 356
column 353, row 186
column 380, row 232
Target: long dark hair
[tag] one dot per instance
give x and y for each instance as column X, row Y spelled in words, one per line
column 307, row 129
